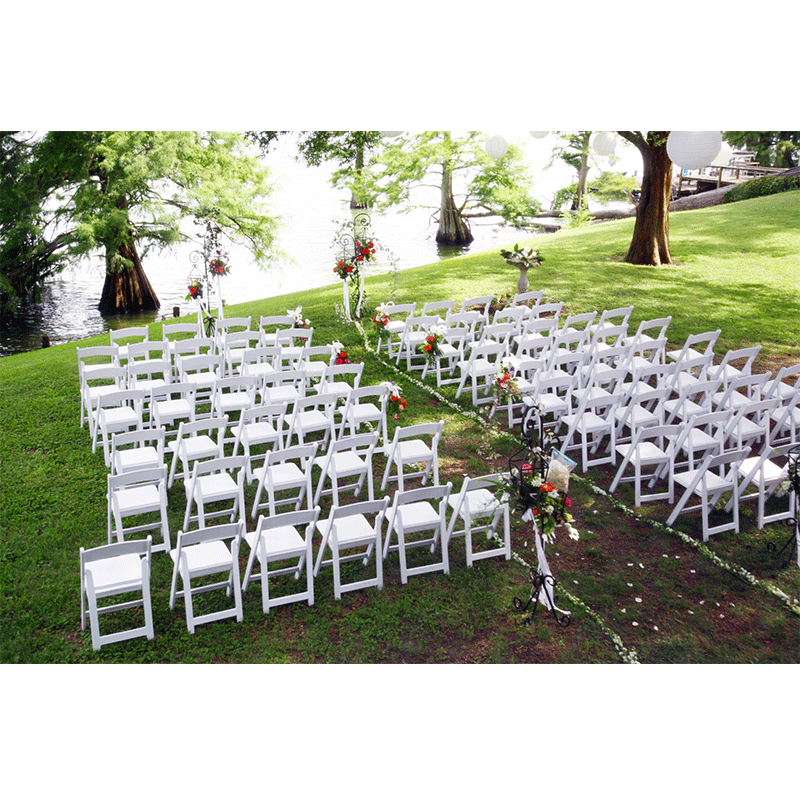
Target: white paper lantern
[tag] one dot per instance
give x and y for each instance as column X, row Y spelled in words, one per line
column 724, row 156
column 390, row 134
column 604, row 143
column 496, row 146
column 538, row 134
column 693, row 149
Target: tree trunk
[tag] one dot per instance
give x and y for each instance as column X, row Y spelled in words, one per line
column 650, row 242
column 453, row 228
column 126, row 290
column 355, row 200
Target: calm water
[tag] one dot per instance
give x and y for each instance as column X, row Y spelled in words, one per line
column 311, row 212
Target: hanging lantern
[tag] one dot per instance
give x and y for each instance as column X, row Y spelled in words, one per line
column 390, row 134
column 604, row 143
column 496, row 146
column 538, row 134
column 693, row 149
column 723, row 157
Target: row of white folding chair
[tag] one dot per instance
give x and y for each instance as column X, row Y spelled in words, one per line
column 124, row 567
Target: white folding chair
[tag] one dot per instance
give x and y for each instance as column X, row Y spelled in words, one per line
column 117, row 412
column 553, row 394
column 139, row 449
column 260, row 361
column 177, row 331
column 438, row 308
column 766, row 475
column 397, row 314
column 696, row 345
column 452, row 350
column 651, row 447
column 340, row 379
column 277, row 540
column 314, row 359
column 741, row 391
column 90, row 361
column 258, row 426
column 203, row 371
column 412, row 338
column 269, row 325
column 478, row 502
column 140, row 493
column 649, row 341
column 172, row 404
column 536, row 337
column 701, row 435
column 786, row 421
column 414, row 444
column 215, row 481
column 285, row 386
column 196, row 441
column 696, row 398
column 200, row 554
column 735, row 364
column 356, row 526
column 102, row 380
column 591, row 422
column 716, row 475
column 750, row 424
column 780, row 387
column 233, row 395
column 366, row 406
column 419, row 511
column 482, row 304
column 313, row 414
column 292, row 342
column 284, row 471
column 479, row 369
column 639, row 411
column 234, row 345
column 122, row 337
column 115, row 569
column 347, row 457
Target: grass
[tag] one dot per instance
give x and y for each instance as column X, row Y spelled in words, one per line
column 737, row 271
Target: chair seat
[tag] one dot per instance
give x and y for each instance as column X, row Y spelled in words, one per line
column 345, row 463
column 283, row 394
column 311, row 420
column 169, row 409
column 482, row 502
column 207, row 556
column 283, row 474
column 638, row 416
column 713, row 481
column 413, row 450
column 363, row 412
column 684, row 409
column 551, row 402
column 258, row 432
column 138, row 498
column 217, row 486
column 116, row 575
column 589, row 422
column 645, row 453
column 353, row 531
column 122, row 416
column 769, row 473
column 283, row 542
column 137, row 458
column 235, row 401
column 418, row 516
column 194, row 447
column 200, row 379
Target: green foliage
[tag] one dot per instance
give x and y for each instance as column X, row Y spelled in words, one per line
column 78, row 191
column 759, row 187
column 772, row 148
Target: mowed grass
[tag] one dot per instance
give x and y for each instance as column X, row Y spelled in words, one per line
column 738, row 270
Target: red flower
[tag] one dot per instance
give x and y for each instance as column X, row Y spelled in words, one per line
column 546, row 487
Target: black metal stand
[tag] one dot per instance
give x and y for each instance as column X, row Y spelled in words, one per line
column 532, row 459
column 794, row 522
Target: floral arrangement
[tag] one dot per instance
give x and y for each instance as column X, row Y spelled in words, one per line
column 431, row 348
column 397, row 403
column 339, row 354
column 525, row 256
column 348, row 267
column 505, row 386
column 195, row 290
column 548, row 505
column 299, row 320
column 218, row 266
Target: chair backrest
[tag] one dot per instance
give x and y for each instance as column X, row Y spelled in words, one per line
column 120, row 334
column 194, row 346
column 652, row 328
column 169, row 331
column 225, row 325
column 207, row 362
column 615, row 316
column 294, row 337
column 549, row 310
column 434, row 307
column 433, row 429
column 695, row 343
column 532, row 298
column 338, row 372
column 230, row 531
column 400, row 308
column 209, row 426
column 279, row 321
column 109, row 353
column 579, row 322
column 149, row 350
column 362, row 508
column 150, row 475
column 224, row 464
column 728, row 369
column 440, row 492
column 145, row 437
column 304, row 453
column 139, row 547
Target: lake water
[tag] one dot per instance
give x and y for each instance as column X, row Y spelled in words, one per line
column 311, row 212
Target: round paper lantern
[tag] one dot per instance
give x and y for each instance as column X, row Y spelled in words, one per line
column 496, row 146
column 538, row 134
column 693, row 149
column 604, row 143
column 390, row 134
column 724, row 156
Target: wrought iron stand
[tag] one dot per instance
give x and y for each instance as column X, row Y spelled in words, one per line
column 793, row 542
column 531, row 459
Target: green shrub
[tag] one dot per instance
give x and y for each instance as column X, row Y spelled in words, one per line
column 758, row 187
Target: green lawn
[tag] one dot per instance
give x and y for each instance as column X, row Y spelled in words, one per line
column 738, row 270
